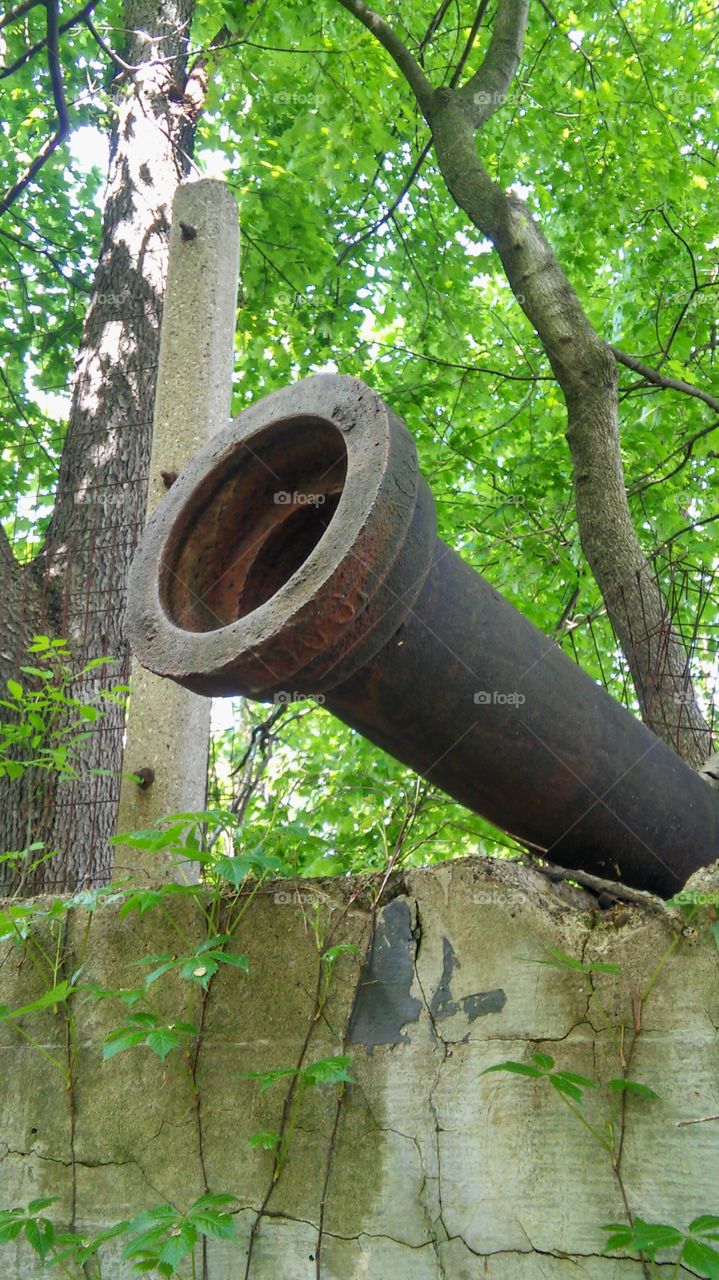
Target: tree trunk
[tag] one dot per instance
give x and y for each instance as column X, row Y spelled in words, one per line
column 585, row 369
column 584, row 366
column 76, row 588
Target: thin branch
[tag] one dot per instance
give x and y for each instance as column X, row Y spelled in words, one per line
column 35, row 48
column 74, row 281
column 19, row 409
column 106, row 48
column 660, row 380
column 400, row 54
column 699, row 1120
column 265, row 258
column 454, row 364
column 486, row 90
column 375, row 226
column 434, row 23
column 18, row 12
column 687, row 528
column 58, row 93
column 686, row 450
column 457, row 73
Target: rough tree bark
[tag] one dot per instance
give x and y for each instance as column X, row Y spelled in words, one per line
column 583, row 364
column 76, row 588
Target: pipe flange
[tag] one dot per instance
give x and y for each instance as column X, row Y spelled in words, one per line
column 289, row 549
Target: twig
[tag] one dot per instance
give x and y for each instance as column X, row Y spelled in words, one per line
column 35, row 48
column 375, row 226
column 660, row 379
column 400, row 54
column 58, row 93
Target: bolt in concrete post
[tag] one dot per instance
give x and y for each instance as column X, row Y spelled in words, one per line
column 168, row 727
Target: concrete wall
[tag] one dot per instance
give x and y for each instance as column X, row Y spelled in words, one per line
column 427, row 1168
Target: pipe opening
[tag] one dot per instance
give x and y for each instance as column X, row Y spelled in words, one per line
column 254, row 524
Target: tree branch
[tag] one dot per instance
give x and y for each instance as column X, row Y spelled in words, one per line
column 434, row 24
column 648, row 481
column 400, row 54
column 585, row 368
column 40, row 44
column 374, row 226
column 486, row 90
column 660, row 379
column 107, row 49
column 58, row 93
column 469, row 45
column 18, row 12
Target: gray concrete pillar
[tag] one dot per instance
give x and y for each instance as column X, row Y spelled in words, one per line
column 168, row 727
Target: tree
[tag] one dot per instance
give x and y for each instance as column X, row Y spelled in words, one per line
column 584, row 364
column 356, row 155
column 156, row 99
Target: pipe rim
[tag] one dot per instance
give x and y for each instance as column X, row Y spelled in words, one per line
column 335, row 588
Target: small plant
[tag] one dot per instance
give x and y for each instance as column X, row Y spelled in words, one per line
column 160, row 1238
column 651, row 1238
column 696, row 905
column 200, row 966
column 645, row 1239
column 326, row 1071
column 147, row 1029
column 48, row 724
column 570, row 1088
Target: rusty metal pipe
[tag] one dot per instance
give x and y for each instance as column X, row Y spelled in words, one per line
column 296, row 555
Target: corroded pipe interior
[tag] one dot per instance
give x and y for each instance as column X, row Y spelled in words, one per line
column 245, row 536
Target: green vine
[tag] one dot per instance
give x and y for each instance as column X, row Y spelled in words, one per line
column 693, row 1247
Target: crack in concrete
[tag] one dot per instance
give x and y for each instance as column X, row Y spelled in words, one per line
column 428, row 1208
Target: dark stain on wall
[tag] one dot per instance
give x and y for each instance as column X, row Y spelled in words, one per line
column 384, row 1004
column 473, row 1006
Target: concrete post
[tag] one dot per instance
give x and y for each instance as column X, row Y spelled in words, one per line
column 168, row 727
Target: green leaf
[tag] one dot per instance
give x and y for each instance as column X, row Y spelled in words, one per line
column 268, row 1139
column 557, row 959
column 267, row 1078
column 543, row 1061
column 342, row 948
column 562, row 1085
column 333, row 1070
column 517, row 1068
column 181, row 1241
column 234, row 870
column 40, row 1235
column 10, row 1227
column 119, row 1040
column 56, row 995
column 162, row 1041
column 706, row 1223
column 650, row 1237
column 621, row 1085
column 701, row 1256
column 15, row 689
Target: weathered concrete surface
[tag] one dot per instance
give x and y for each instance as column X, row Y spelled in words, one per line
column 168, row 727
column 429, row 1170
